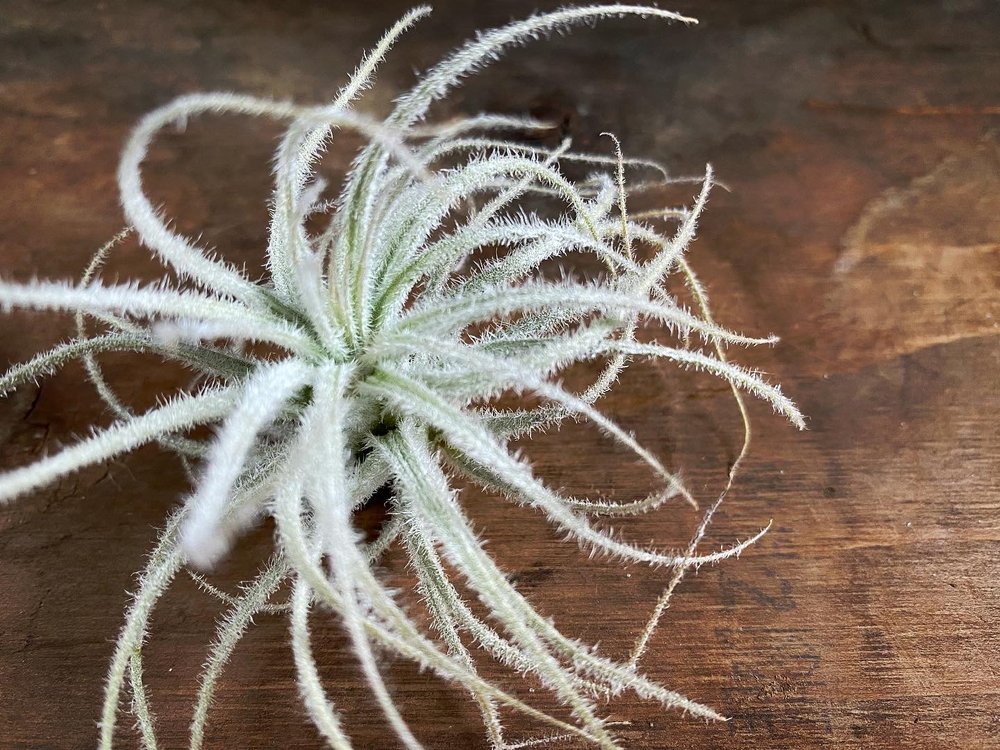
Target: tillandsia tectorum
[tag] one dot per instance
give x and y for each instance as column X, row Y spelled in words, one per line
column 373, row 354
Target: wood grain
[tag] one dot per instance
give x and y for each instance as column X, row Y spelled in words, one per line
column 859, row 145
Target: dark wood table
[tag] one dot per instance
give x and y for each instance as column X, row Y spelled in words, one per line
column 859, row 143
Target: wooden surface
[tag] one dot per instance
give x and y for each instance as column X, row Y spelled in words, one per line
column 859, row 142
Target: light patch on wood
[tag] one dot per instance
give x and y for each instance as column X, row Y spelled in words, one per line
column 921, row 266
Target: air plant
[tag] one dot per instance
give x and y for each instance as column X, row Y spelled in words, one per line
column 373, row 355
